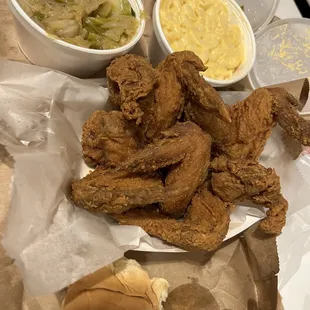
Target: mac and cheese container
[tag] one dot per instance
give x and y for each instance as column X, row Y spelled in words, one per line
column 159, row 46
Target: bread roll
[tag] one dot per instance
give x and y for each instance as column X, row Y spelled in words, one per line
column 123, row 285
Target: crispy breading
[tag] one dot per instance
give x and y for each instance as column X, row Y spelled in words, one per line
column 130, row 79
column 108, row 139
column 168, row 99
column 209, row 211
column 197, row 89
column 204, row 227
column 235, row 180
column 252, row 122
column 185, row 148
column 152, row 158
column 287, row 117
column 154, row 99
column 115, row 191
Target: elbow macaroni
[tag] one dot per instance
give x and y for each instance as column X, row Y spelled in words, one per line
column 204, row 26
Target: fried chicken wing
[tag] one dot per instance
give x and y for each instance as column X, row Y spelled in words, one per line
column 153, row 168
column 155, row 98
column 240, row 179
column 130, row 78
column 198, row 231
column 209, row 211
column 252, row 122
column 177, row 78
column 114, row 191
column 168, row 97
column 287, row 117
column 197, row 89
column 248, row 131
column 186, row 149
column 108, row 139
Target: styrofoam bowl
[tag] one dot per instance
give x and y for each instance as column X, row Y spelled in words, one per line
column 44, row 50
column 160, row 49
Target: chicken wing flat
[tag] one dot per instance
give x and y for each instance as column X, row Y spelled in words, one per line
column 130, row 79
column 186, row 149
column 209, row 211
column 204, row 227
column 177, row 78
column 108, row 139
column 169, row 99
column 240, row 179
column 252, row 122
column 246, row 135
column 114, row 191
column 188, row 65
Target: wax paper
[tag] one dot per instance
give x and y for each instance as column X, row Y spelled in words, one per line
column 53, row 242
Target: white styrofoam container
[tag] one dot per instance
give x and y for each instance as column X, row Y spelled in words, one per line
column 43, row 50
column 159, row 47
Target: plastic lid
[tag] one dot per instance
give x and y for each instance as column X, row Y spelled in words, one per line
column 283, row 53
column 259, row 12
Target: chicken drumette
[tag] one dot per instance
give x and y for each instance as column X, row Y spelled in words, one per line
column 109, row 139
column 131, row 81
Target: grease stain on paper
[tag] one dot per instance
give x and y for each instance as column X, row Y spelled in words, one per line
column 191, row 296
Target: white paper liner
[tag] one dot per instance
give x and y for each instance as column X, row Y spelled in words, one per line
column 53, row 242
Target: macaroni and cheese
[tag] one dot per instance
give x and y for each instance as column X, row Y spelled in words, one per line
column 206, row 28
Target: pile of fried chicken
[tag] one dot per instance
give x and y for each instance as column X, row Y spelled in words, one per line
column 174, row 159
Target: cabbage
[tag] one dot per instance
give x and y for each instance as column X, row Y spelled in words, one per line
column 100, row 24
column 79, row 41
column 114, row 34
column 91, row 5
column 104, row 9
column 65, row 28
column 126, row 7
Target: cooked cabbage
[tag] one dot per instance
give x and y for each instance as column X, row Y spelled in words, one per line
column 97, row 24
